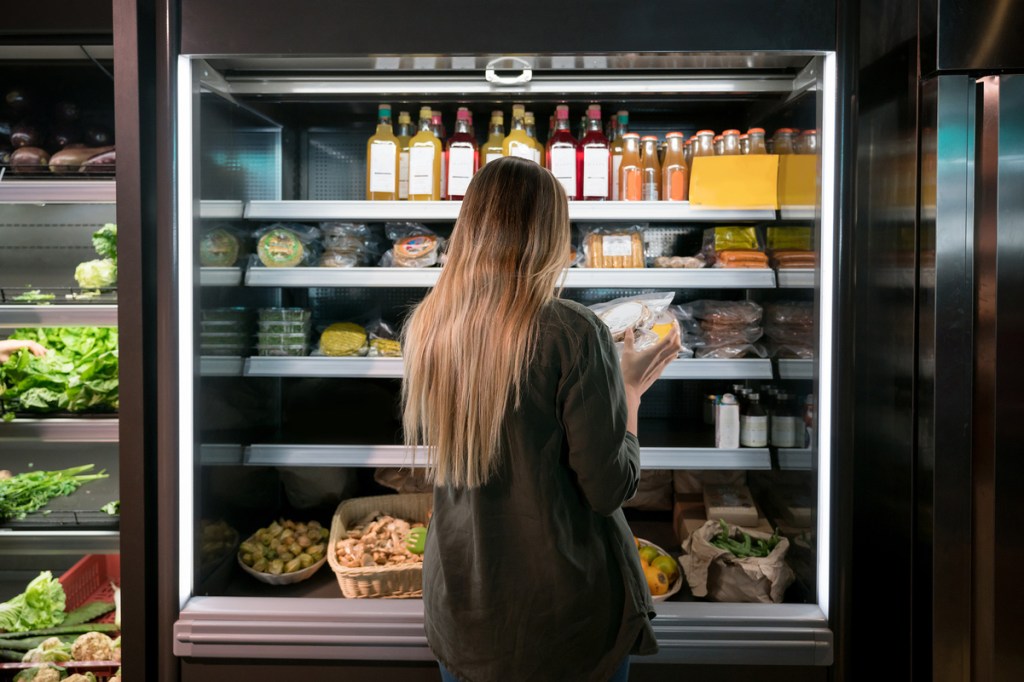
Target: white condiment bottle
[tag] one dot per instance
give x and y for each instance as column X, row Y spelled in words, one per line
column 727, row 422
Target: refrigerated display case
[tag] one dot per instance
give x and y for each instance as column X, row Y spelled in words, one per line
column 263, row 140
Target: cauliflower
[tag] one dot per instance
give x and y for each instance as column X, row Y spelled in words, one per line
column 50, row 650
column 79, row 677
column 92, row 646
column 116, row 651
column 96, row 274
column 47, row 674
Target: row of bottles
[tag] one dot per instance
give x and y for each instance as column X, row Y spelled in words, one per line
column 755, row 419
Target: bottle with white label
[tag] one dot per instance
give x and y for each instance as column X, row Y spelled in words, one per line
column 650, row 169
column 754, row 424
column 382, row 159
column 518, row 143
column 405, row 133
column 491, row 150
column 462, row 156
column 597, row 163
column 620, row 126
column 437, row 126
column 425, row 162
column 727, row 423
column 531, row 131
column 782, row 423
column 563, row 157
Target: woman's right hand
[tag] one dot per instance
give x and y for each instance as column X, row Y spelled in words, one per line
column 640, row 369
column 10, row 347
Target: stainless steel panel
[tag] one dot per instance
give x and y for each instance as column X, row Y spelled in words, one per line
column 210, row 366
column 220, row 277
column 61, row 430
column 57, row 191
column 796, row 369
column 796, row 278
column 794, row 459
column 57, row 315
column 58, row 542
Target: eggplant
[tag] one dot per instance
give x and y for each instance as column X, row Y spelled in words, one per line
column 66, row 111
column 29, row 160
column 26, row 134
column 64, row 135
column 69, row 160
column 98, row 136
column 20, row 101
column 105, row 162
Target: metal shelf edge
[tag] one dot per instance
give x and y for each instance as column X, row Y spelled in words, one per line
column 61, row 430
column 59, row 542
column 796, row 369
column 57, row 315
column 796, row 459
column 58, row 192
column 214, row 366
column 220, row 277
column 795, row 278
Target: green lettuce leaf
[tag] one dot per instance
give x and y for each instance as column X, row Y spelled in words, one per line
column 41, row 605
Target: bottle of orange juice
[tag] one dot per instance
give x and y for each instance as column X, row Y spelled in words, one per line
column 382, row 151
column 425, row 162
column 620, row 127
column 492, row 148
column 675, row 176
column 630, row 171
column 651, row 169
column 518, row 143
column 405, row 133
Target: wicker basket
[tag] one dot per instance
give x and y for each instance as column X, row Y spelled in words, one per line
column 391, row 582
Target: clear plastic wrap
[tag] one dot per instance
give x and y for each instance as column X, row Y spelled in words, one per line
column 414, row 245
column 687, row 262
column 384, row 341
column 728, row 238
column 221, row 246
column 721, row 329
column 744, row 313
column 614, row 247
column 789, row 326
column 348, row 245
column 286, row 245
column 632, row 312
column 344, row 339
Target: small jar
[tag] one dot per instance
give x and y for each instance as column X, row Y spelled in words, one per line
column 705, row 145
column 784, row 141
column 731, row 143
column 756, row 141
column 807, row 143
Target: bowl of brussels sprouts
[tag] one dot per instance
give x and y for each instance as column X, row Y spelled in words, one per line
column 285, row 552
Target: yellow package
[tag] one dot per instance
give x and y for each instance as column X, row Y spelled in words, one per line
column 789, row 238
column 343, row 339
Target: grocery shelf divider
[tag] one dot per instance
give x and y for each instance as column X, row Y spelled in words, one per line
column 392, row 368
column 400, row 456
column 57, row 191
column 797, row 212
column 61, row 430
column 221, row 210
column 796, row 459
column 795, row 278
column 796, row 369
column 58, row 542
column 28, row 315
column 214, row 366
column 220, row 277
column 221, row 454
column 575, row 278
column 449, row 211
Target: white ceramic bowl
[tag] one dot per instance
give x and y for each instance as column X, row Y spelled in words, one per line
column 674, row 587
column 284, row 578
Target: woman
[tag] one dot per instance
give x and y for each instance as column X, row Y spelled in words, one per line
column 530, row 425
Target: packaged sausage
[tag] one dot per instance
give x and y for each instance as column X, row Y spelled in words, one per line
column 614, row 247
column 718, row 239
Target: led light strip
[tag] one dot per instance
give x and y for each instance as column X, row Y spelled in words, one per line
column 183, row 149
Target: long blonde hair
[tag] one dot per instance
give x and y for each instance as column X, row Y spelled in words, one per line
column 469, row 343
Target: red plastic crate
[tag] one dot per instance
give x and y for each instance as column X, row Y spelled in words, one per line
column 90, row 580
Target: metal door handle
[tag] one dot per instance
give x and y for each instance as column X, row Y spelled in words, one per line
column 509, row 63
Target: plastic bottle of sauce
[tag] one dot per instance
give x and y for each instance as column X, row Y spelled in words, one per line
column 517, row 143
column 492, row 148
column 651, row 169
column 597, row 185
column 425, row 161
column 463, row 156
column 675, row 174
column 630, row 171
column 405, row 133
column 731, row 143
column 755, row 136
column 727, row 423
column 754, row 424
column 382, row 152
column 620, row 127
column 562, row 154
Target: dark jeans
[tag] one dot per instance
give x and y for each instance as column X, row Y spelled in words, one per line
column 620, row 675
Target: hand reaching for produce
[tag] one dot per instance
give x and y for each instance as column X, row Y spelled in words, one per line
column 640, row 369
column 9, row 347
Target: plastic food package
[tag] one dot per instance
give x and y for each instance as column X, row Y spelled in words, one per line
column 729, row 239
column 741, row 259
column 414, row 246
column 789, row 239
column 614, row 247
column 348, row 245
column 233, row 315
column 286, row 245
column 785, row 260
column 632, row 313
column 294, row 350
column 688, row 262
column 284, row 315
column 789, row 326
column 384, row 341
column 221, row 246
column 721, row 329
column 344, row 339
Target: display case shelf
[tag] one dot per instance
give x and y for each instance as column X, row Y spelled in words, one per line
column 220, row 277
column 400, row 456
column 796, row 369
column 27, row 315
column 795, row 278
column 641, row 211
column 391, row 368
column 797, row 212
column 796, row 459
column 57, row 430
column 58, row 542
column 54, row 191
column 575, row 278
column 220, row 454
column 212, row 366
column 221, row 210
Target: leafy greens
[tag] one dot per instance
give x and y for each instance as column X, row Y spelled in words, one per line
column 32, row 490
column 41, row 605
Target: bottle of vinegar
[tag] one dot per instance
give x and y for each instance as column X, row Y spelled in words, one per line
column 382, row 159
column 425, row 162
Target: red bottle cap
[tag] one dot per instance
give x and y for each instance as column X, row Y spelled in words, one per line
column 650, row 138
column 594, row 111
column 731, row 131
column 755, row 130
column 668, row 135
column 705, row 132
column 562, row 112
column 463, row 114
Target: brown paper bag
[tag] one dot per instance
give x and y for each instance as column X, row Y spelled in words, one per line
column 719, row 575
column 404, row 479
column 653, row 493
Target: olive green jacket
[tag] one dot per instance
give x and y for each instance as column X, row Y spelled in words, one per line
column 535, row 575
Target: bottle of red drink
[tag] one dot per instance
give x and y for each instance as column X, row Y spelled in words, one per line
column 596, row 159
column 563, row 156
column 463, row 156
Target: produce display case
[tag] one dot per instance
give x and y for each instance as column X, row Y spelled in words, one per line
column 263, row 140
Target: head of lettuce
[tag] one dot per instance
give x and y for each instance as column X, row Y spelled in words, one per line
column 40, row 606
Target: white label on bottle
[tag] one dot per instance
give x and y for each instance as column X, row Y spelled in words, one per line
column 382, row 166
column 460, row 170
column 493, row 156
column 403, row 175
column 520, row 150
column 754, row 432
column 595, row 172
column 617, row 245
column 616, row 163
column 421, row 170
column 536, row 156
column 782, row 432
column 563, row 167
